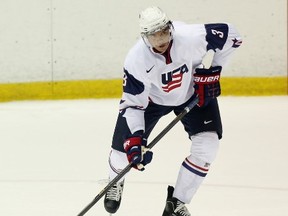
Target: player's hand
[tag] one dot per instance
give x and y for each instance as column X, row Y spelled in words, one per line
column 137, row 153
column 207, row 85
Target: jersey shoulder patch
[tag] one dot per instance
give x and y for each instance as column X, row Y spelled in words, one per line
column 216, row 35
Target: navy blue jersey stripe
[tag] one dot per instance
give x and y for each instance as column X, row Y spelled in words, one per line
column 131, row 85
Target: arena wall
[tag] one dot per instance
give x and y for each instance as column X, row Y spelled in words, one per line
column 56, row 49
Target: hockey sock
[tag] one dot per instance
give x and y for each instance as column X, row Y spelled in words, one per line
column 190, row 178
column 117, row 162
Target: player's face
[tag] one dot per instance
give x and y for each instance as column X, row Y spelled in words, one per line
column 160, row 40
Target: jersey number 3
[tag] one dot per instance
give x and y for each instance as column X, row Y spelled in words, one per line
column 220, row 34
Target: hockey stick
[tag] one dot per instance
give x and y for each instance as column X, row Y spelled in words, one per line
column 151, row 145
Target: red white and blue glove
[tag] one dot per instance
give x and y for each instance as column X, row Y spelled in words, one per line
column 137, row 153
column 207, row 85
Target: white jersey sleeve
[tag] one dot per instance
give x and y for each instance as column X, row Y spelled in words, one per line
column 136, row 88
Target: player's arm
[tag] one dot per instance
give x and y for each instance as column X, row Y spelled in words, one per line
column 134, row 101
column 223, row 39
column 132, row 107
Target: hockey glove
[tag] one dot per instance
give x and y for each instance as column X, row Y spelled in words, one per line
column 137, row 153
column 207, row 85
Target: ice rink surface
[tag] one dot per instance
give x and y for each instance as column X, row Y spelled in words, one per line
column 53, row 160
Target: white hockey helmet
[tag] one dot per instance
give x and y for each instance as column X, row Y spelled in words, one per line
column 152, row 20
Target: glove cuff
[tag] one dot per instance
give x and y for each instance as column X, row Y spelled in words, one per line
column 131, row 142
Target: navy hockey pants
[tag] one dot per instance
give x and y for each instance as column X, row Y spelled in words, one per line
column 197, row 120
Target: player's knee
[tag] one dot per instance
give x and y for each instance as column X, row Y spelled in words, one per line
column 117, row 160
column 205, row 146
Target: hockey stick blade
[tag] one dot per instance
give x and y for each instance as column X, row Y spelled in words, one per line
column 130, row 165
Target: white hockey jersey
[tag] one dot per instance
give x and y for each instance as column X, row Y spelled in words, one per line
column 167, row 79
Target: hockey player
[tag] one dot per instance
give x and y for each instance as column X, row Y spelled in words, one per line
column 163, row 72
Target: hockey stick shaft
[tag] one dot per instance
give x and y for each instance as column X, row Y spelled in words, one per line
column 151, row 145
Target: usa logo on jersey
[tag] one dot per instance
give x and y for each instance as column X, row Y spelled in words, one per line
column 173, row 79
